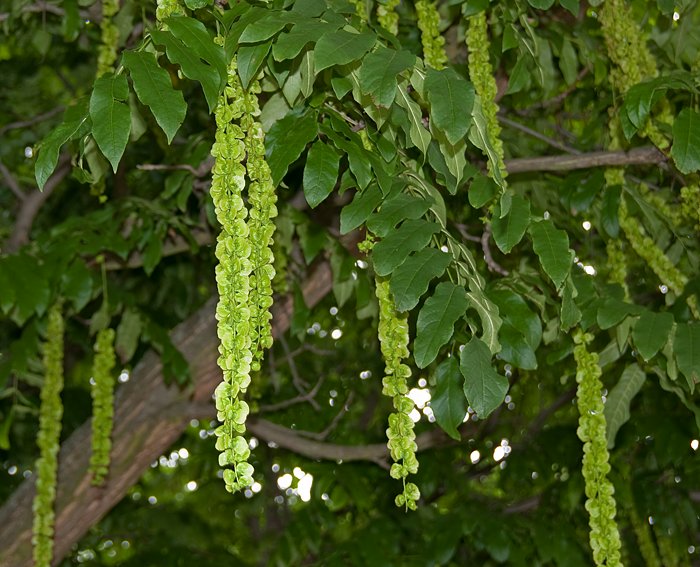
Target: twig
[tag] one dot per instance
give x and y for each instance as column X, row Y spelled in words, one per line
column 301, row 398
column 464, row 234
column 44, row 7
column 11, row 182
column 32, row 204
column 200, row 171
column 299, row 384
column 490, row 262
column 30, row 122
column 546, row 139
column 321, row 436
column 647, row 155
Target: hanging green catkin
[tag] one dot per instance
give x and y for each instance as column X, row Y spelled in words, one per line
column 393, row 338
column 167, row 8
column 102, row 404
column 50, row 414
column 107, row 51
column 645, row 539
column 690, row 203
column 481, row 74
column 617, row 264
column 600, row 502
column 262, row 199
column 429, row 25
column 387, row 16
column 233, row 250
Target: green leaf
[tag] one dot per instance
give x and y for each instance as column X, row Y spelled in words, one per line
column 341, row 47
column 250, row 58
column 265, row 28
column 320, row 173
column 520, row 333
column 651, row 333
column 128, row 333
column 436, row 321
column 571, row 5
column 448, row 402
column 287, row 139
column 410, row 280
column 111, row 117
column 510, row 229
column 197, row 4
column 484, row 387
column 191, row 65
column 617, row 406
column 31, row 287
column 195, row 36
column 451, row 100
column 612, row 311
column 392, row 251
column 289, row 45
column 378, row 72
column 396, row 209
column 686, row 141
column 569, row 314
column 76, row 123
column 419, row 136
column 686, row 346
column 552, row 247
column 155, row 89
column 609, row 211
column 76, row 284
column 488, row 313
column 361, row 207
column 541, row 4
column 481, row 191
column 478, row 135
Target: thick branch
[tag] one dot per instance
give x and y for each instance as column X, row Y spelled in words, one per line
column 149, row 417
column 637, row 156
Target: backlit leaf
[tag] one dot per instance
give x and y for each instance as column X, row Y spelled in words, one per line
column 111, row 116
column 320, row 173
column 651, row 333
column 484, row 387
column 617, row 405
column 552, row 247
column 448, row 402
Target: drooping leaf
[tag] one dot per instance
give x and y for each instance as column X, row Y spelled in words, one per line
column 612, row 311
column 478, row 136
column 128, row 333
column 111, row 117
column 341, row 47
column 191, row 65
column 287, row 139
column 569, row 314
column 436, row 321
column 392, row 251
column 195, row 36
column 378, row 72
column 76, row 284
column 451, row 100
column 651, row 332
column 686, row 345
column 419, row 136
column 288, row 45
column 396, row 209
column 266, row 27
column 484, row 387
column 361, row 207
column 410, row 280
column 448, row 402
column 320, row 173
column 154, row 89
column 552, row 247
column 76, row 123
column 617, row 406
column 510, row 229
column 488, row 313
column 481, row 191
column 250, row 58
column 686, row 141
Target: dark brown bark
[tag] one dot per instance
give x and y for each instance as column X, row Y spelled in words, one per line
column 149, row 417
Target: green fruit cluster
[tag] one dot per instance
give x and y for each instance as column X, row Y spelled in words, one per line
column 387, row 16
column 50, row 415
column 433, row 42
column 102, row 404
column 600, row 502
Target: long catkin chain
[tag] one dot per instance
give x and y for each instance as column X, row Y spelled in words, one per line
column 50, row 415
column 102, row 405
column 107, row 51
column 429, row 25
column 600, row 503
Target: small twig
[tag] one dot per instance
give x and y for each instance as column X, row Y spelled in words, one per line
column 306, row 347
column 555, row 101
column 464, row 234
column 200, row 171
column 299, row 384
column 490, row 262
column 11, row 182
column 301, row 398
column 30, row 122
column 546, row 139
column 322, row 435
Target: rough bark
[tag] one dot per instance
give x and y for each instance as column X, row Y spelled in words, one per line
column 149, row 417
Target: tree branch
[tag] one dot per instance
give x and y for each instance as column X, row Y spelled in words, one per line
column 31, row 121
column 32, row 204
column 638, row 156
column 11, row 182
